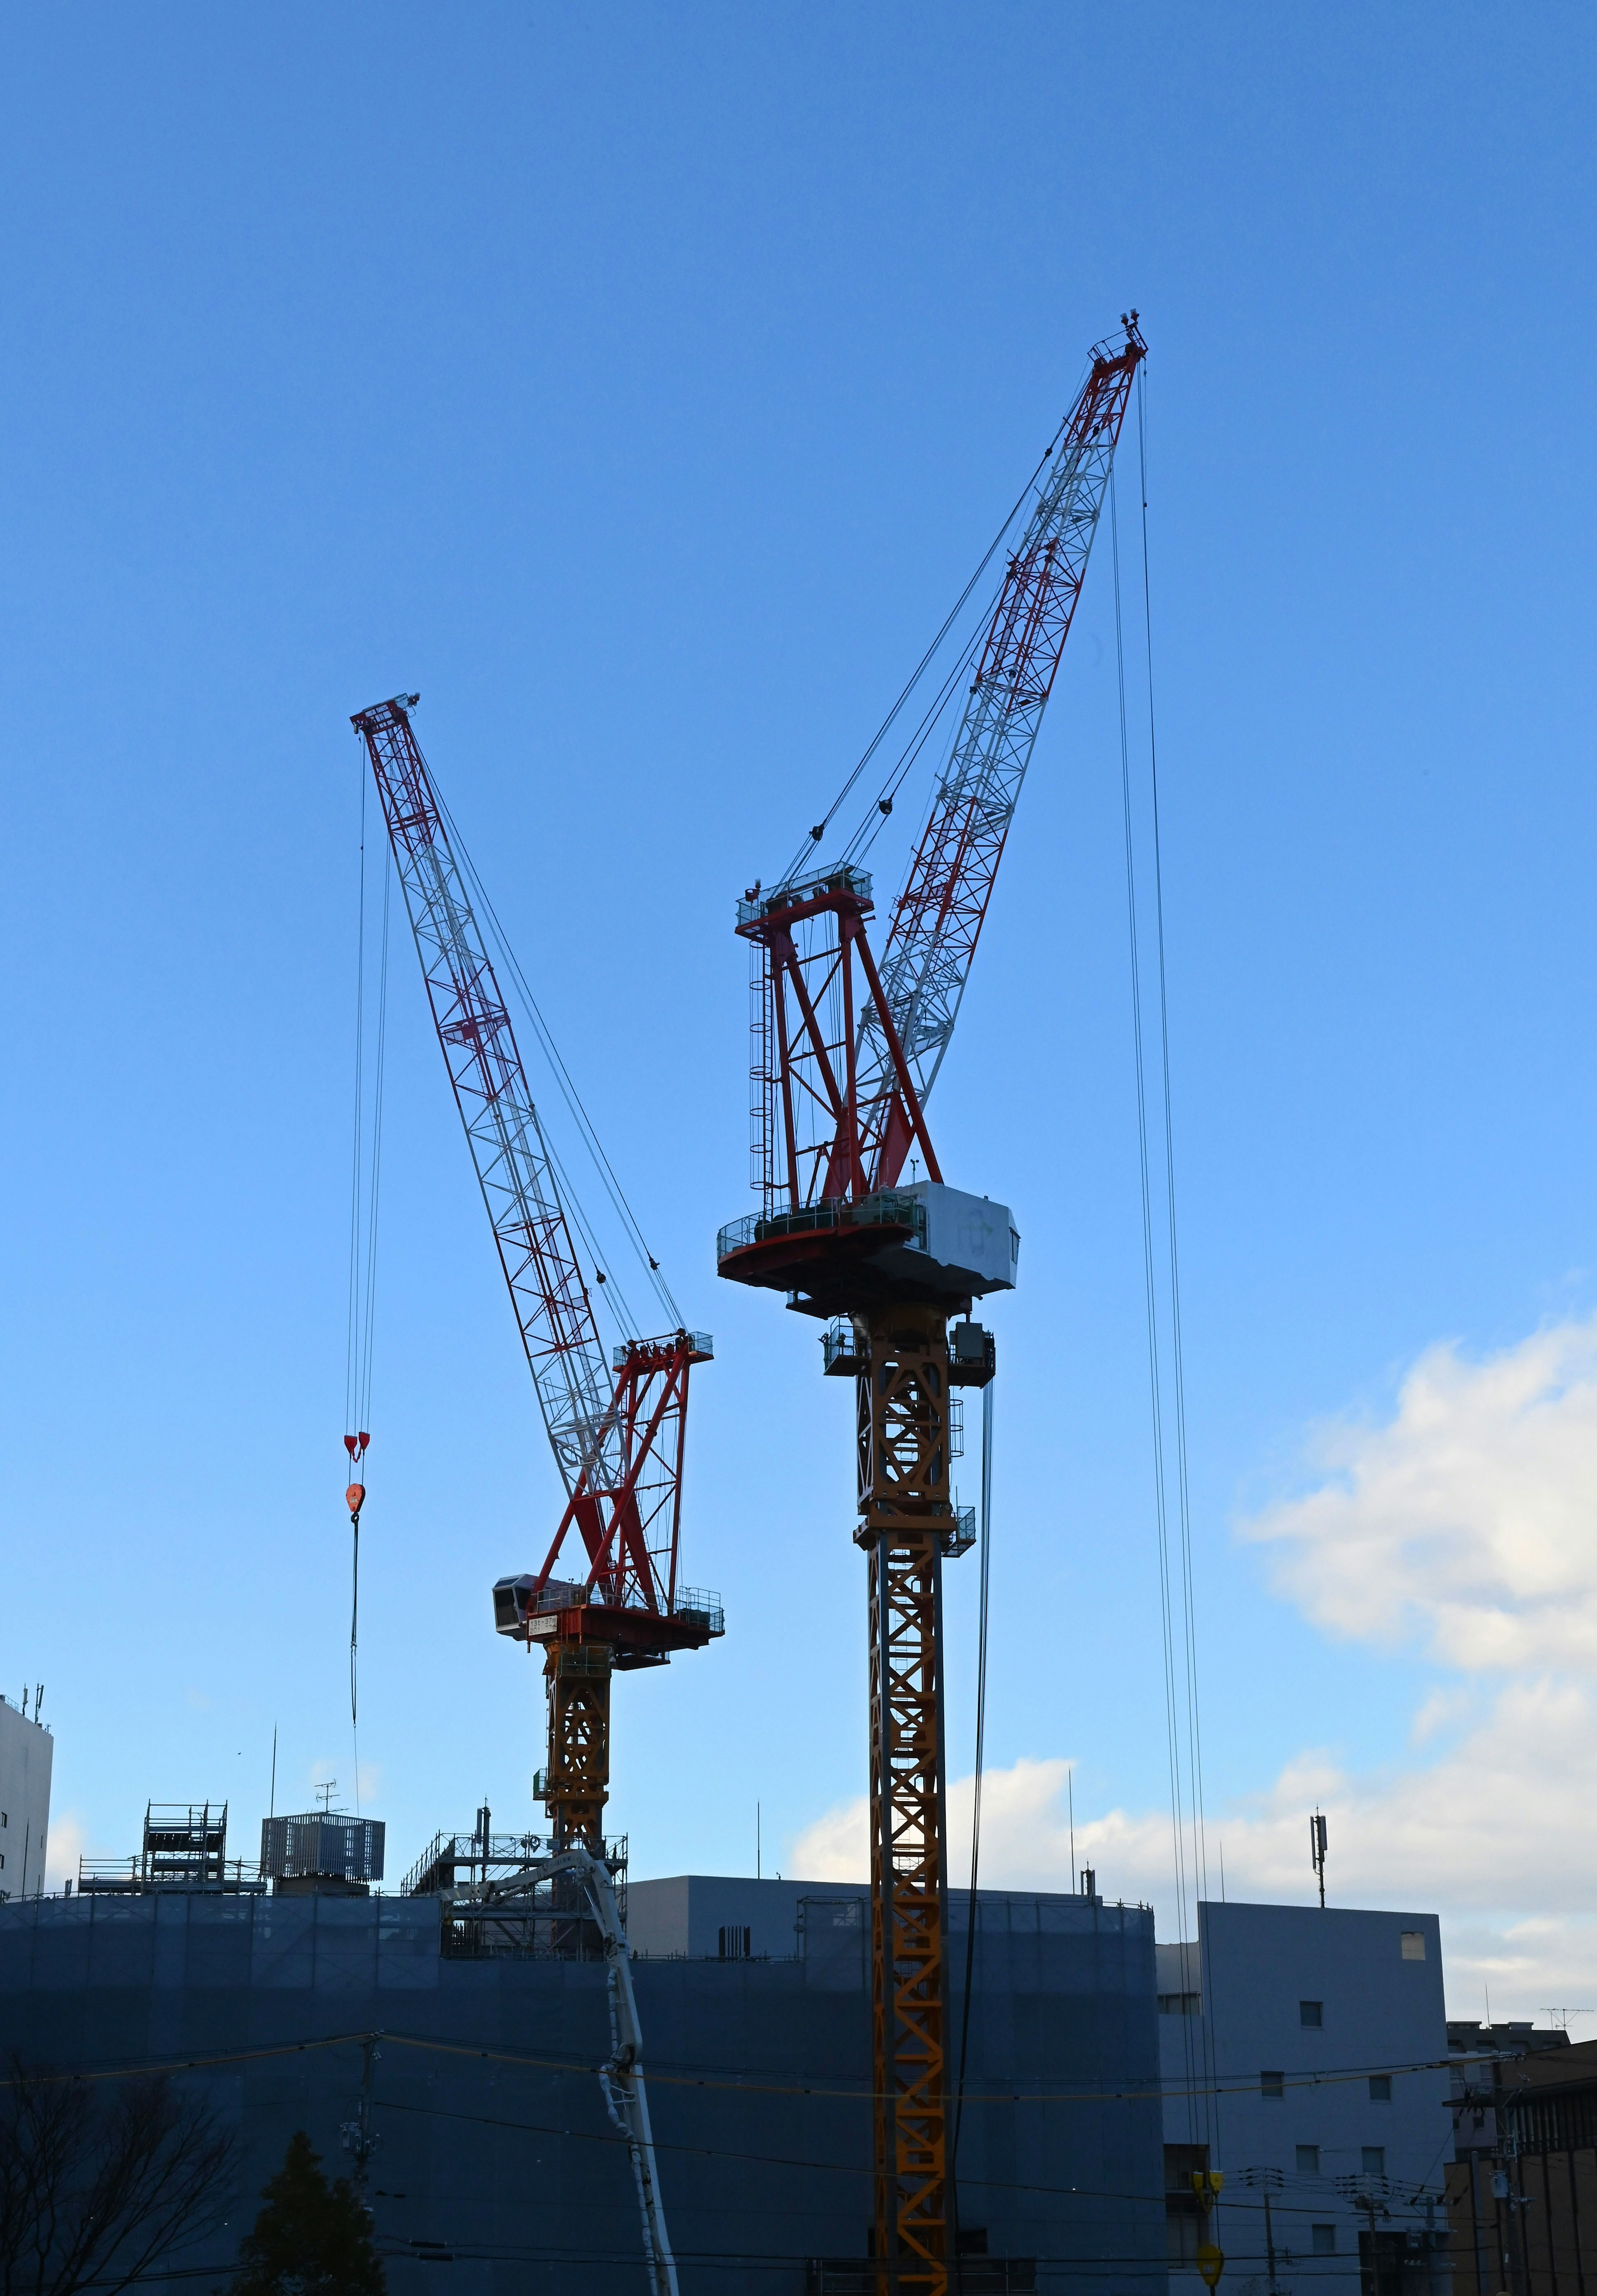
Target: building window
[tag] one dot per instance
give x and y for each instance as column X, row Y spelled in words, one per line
column 1323, row 2239
column 1180, row 2004
column 1373, row 2160
column 1273, row 2084
column 1311, row 2013
column 1308, row 2160
column 735, row 1944
column 1413, row 1945
column 1381, row 2088
column 1183, row 2222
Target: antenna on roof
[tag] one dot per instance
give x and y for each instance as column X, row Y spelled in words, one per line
column 1317, row 1851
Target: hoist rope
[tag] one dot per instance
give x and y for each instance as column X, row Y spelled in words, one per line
column 366, row 1175
column 575, row 1108
column 981, row 1754
column 1183, row 1488
column 881, row 805
column 610, row 1292
column 1209, row 2025
column 1175, row 1574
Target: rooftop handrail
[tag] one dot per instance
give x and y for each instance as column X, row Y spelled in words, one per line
column 839, row 878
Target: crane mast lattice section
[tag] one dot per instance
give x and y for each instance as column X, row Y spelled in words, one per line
column 617, row 1429
column 907, row 1524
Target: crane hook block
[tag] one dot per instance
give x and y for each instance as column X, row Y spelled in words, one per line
column 355, row 1497
column 350, row 1444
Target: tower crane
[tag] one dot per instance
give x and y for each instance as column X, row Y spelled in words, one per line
column 844, row 1055
column 617, row 1426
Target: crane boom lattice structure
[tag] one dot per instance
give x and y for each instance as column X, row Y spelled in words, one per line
column 844, row 1059
column 617, row 1428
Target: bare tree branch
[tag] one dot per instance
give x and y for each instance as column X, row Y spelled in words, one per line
column 97, row 2186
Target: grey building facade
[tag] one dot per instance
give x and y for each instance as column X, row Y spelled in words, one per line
column 495, row 2155
column 1305, row 2054
column 26, row 1755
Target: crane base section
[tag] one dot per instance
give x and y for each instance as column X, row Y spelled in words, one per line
column 926, row 1244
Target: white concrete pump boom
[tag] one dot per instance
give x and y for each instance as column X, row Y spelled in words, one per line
column 620, row 2077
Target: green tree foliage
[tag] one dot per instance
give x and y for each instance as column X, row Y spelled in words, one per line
column 312, row 2238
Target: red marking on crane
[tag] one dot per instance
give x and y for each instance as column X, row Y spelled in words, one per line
column 355, row 1497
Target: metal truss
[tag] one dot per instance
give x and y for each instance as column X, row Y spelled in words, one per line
column 815, row 980
column 906, row 1524
column 617, row 1428
column 576, row 1784
column 939, row 913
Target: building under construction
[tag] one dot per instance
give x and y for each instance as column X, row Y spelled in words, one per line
column 494, row 2153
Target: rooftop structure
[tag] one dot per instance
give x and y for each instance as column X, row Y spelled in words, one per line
column 323, row 1845
column 496, row 2154
column 26, row 1755
column 184, row 1847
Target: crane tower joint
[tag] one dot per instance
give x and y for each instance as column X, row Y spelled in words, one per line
column 382, row 715
column 801, row 896
column 659, row 1355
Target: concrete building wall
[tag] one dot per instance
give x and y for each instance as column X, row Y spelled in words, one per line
column 1362, row 2092
column 496, row 2151
column 26, row 1752
column 688, row 1914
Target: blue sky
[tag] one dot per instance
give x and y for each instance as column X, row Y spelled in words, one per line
column 641, row 385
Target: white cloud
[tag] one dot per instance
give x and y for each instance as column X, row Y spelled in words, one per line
column 1468, row 1521
column 62, row 1849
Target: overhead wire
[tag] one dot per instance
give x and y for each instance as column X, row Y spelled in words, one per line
column 1177, row 1580
column 565, row 1083
column 1134, row 2092
column 365, row 1176
column 972, row 1910
column 1178, row 1360
column 612, row 1297
column 882, row 804
column 1183, row 1485
column 1150, row 1301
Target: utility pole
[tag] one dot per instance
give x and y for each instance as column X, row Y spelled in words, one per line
column 360, row 2139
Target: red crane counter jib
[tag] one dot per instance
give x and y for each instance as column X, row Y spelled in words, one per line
column 616, row 1426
